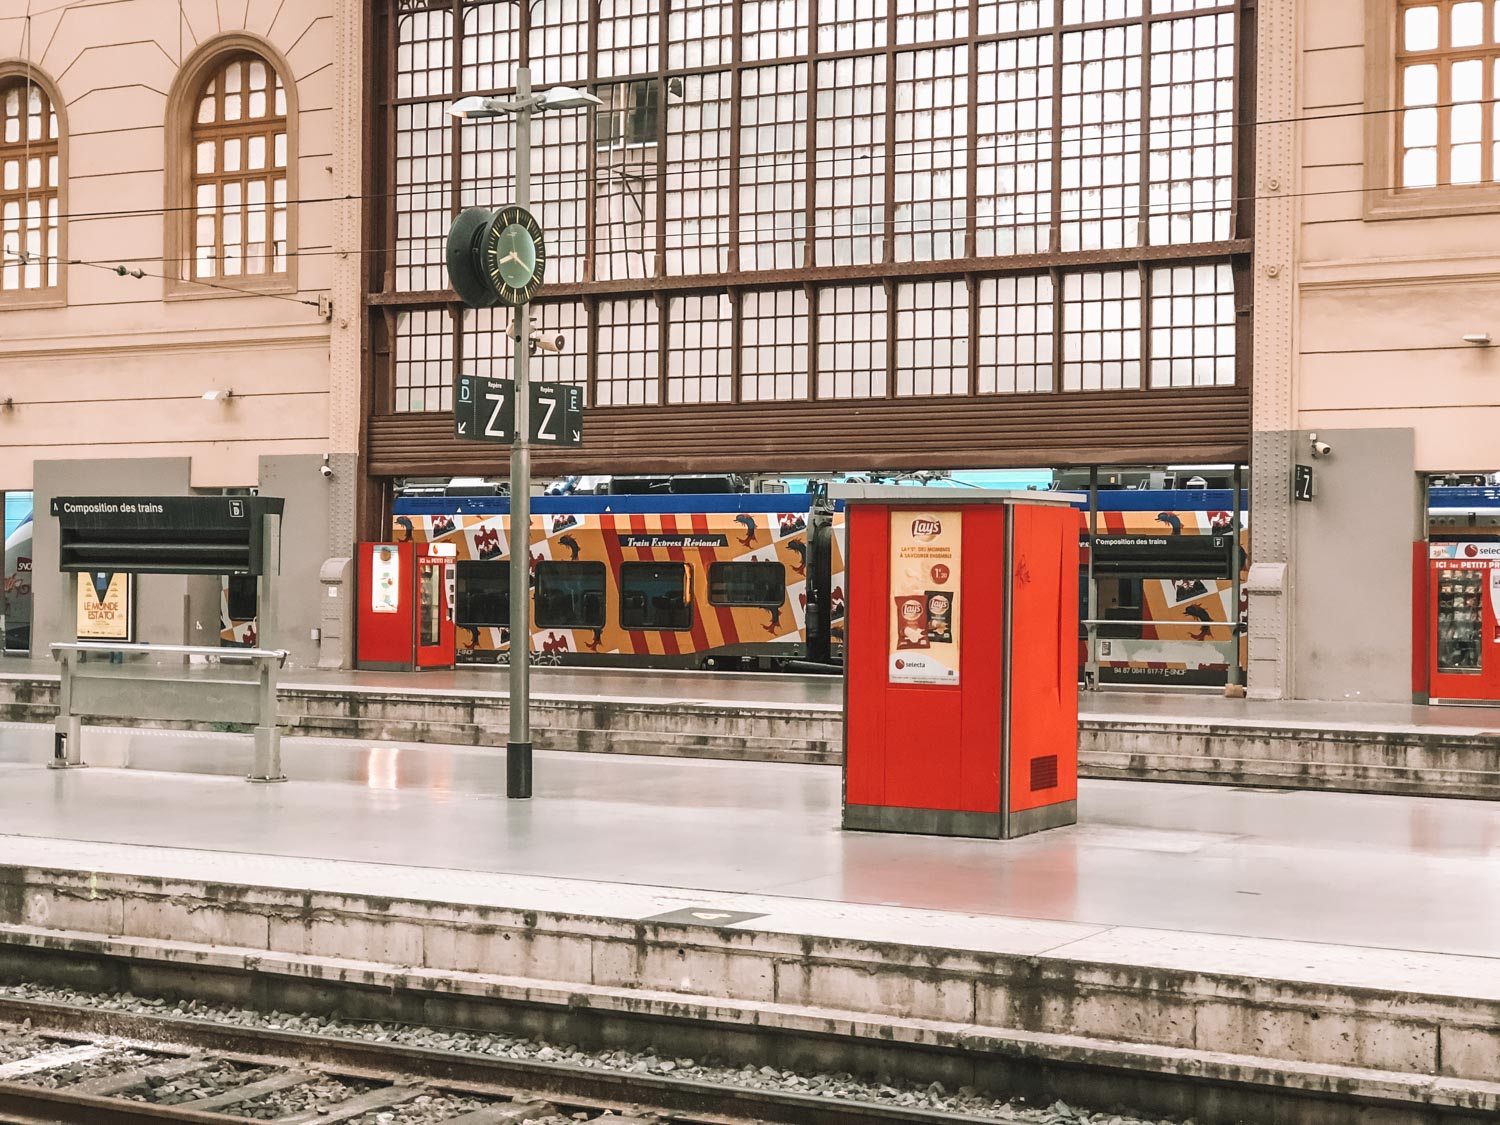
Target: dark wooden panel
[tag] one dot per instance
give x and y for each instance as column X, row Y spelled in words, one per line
column 997, row 431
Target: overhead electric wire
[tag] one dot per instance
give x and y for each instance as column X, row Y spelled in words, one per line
column 1042, row 139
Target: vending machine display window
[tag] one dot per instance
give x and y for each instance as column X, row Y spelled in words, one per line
column 430, row 599
column 1460, row 621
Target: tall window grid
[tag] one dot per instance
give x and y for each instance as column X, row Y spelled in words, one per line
column 1447, row 78
column 931, row 157
column 423, row 144
column 697, row 176
column 773, row 345
column 849, row 219
column 1013, row 172
column 700, row 333
column 932, row 338
column 773, row 163
column 1102, row 330
column 852, row 341
column 1192, row 326
column 239, row 184
column 559, row 189
column 424, row 360
column 29, row 188
column 628, row 353
column 492, row 36
column 1190, row 170
column 559, row 39
column 625, row 170
column 1016, row 335
column 1101, row 137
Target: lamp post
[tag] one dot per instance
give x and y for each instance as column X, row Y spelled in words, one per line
column 518, row 746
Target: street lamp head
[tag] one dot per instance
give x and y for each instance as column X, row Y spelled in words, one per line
column 474, row 108
column 566, row 97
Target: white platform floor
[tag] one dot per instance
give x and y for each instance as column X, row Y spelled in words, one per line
column 1320, row 883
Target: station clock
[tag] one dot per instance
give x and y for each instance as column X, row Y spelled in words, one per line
column 496, row 257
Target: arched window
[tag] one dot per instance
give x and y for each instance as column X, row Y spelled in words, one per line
column 240, row 150
column 30, row 190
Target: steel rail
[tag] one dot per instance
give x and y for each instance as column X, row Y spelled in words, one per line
column 34, row 1105
column 690, row 1102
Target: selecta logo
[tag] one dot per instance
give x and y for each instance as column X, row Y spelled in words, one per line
column 926, row 528
column 1472, row 550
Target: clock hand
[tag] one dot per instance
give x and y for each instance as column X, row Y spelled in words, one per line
column 511, row 257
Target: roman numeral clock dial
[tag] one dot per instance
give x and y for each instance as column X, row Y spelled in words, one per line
column 513, row 255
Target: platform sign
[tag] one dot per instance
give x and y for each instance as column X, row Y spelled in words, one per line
column 484, row 409
column 556, row 414
column 926, row 573
column 1302, row 483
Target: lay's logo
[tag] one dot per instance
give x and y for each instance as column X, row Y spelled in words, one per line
column 926, row 529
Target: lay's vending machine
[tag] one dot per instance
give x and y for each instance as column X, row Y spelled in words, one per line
column 961, row 688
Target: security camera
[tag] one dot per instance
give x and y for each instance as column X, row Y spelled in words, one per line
column 541, row 342
column 1319, row 448
column 325, row 468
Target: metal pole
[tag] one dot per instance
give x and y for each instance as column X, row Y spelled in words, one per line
column 1236, row 676
column 267, row 765
column 518, row 749
column 1091, row 666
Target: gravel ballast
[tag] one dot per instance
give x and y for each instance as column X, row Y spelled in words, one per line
column 834, row 1086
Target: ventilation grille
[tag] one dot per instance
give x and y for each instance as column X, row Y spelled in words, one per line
column 1044, row 773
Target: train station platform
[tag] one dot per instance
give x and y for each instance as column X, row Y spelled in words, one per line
column 1256, row 942
column 1159, row 736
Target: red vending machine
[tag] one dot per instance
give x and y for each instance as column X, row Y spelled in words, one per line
column 1463, row 630
column 406, row 606
column 961, row 693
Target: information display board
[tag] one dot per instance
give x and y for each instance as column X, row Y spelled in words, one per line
column 926, row 574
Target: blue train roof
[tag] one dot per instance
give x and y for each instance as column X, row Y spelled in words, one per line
column 1168, row 500
column 1467, row 499
column 599, row 505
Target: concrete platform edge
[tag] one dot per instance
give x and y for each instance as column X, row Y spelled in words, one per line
column 1412, row 1045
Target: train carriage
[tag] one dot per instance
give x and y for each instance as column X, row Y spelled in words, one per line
column 668, row 581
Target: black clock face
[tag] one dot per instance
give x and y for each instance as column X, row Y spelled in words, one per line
column 513, row 256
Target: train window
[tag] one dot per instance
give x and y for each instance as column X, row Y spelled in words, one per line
column 483, row 593
column 570, row 595
column 242, row 596
column 747, row 583
column 655, row 596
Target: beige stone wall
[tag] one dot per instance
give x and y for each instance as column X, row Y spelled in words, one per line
column 120, row 370
column 1385, row 291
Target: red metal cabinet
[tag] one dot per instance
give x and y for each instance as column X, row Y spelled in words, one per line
column 405, row 606
column 961, row 713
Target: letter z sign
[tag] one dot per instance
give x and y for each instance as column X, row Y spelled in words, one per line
column 556, row 414
column 484, row 409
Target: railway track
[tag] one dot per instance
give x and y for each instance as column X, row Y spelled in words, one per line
column 77, row 1065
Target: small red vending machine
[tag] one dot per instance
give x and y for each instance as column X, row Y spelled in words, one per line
column 961, row 688
column 1463, row 629
column 406, row 606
